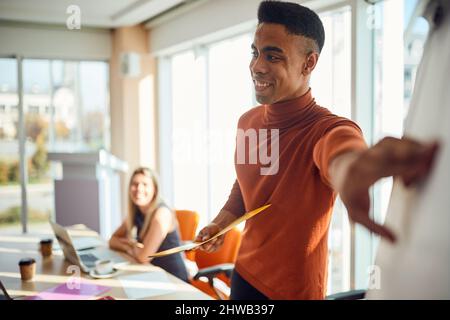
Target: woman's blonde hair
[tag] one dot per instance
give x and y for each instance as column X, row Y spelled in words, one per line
column 154, row 203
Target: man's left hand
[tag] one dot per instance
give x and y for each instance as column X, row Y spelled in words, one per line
column 353, row 173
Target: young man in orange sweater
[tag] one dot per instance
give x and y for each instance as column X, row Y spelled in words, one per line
column 318, row 155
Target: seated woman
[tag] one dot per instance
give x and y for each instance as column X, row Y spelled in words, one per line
column 155, row 223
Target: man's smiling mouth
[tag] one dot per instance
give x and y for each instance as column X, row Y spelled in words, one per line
column 261, row 85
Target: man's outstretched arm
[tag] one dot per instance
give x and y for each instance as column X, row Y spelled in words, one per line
column 353, row 172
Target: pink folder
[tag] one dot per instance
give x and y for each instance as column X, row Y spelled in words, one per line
column 85, row 291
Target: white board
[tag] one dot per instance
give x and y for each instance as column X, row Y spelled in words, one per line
column 418, row 265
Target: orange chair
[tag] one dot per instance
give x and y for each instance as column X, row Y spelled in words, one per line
column 188, row 222
column 218, row 264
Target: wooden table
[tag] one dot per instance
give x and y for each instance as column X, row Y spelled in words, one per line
column 51, row 271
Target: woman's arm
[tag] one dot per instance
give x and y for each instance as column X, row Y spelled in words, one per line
column 120, row 241
column 159, row 228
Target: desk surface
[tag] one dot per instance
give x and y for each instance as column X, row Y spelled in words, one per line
column 51, row 271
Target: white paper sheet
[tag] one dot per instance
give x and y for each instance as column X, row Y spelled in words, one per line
column 145, row 285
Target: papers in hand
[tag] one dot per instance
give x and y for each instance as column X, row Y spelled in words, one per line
column 192, row 245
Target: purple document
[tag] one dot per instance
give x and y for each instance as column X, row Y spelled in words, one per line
column 71, row 291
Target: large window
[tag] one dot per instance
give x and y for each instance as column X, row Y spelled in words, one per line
column 189, row 151
column 230, row 95
column 65, row 108
column 10, row 201
column 397, row 55
column 211, row 88
column 331, row 86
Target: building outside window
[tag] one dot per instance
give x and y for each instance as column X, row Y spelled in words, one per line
column 65, row 108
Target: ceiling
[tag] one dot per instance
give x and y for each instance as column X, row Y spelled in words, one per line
column 94, row 13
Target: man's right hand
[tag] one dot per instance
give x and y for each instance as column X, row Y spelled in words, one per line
column 206, row 233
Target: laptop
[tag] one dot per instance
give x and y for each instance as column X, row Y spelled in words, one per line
column 85, row 258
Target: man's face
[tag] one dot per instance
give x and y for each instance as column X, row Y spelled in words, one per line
column 278, row 64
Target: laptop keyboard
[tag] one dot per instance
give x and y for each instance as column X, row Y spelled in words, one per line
column 88, row 259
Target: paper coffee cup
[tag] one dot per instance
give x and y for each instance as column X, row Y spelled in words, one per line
column 46, row 247
column 27, row 268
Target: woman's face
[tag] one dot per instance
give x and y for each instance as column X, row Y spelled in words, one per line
column 141, row 190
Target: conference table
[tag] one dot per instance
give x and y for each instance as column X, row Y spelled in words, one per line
column 132, row 280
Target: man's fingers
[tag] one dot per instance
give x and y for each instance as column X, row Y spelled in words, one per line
column 424, row 168
column 405, row 158
column 209, row 247
column 381, row 231
column 401, row 150
column 408, row 151
column 394, row 157
column 212, row 245
column 206, row 247
column 205, row 234
column 376, row 228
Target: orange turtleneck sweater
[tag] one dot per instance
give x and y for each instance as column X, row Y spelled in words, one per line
column 284, row 250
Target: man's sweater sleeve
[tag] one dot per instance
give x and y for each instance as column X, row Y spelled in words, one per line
column 338, row 140
column 235, row 203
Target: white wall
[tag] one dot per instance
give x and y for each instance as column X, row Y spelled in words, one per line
column 42, row 41
column 210, row 17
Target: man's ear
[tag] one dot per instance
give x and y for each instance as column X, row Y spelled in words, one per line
column 310, row 63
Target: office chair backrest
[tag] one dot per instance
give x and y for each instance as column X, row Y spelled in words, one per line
column 226, row 254
column 188, row 222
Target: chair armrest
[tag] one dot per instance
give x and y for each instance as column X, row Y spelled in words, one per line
column 212, row 272
column 347, row 295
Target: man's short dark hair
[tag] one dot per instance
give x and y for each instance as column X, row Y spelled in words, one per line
column 297, row 19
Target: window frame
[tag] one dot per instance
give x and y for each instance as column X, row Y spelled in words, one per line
column 23, row 166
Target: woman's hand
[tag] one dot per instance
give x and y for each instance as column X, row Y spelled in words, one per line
column 132, row 252
column 123, row 244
